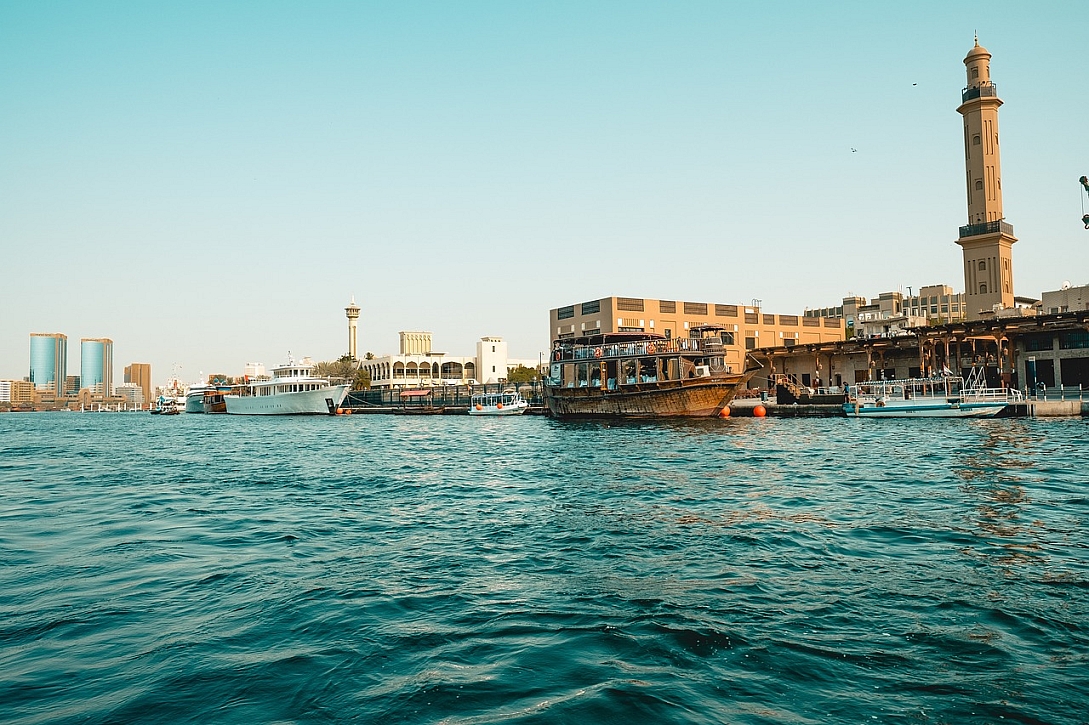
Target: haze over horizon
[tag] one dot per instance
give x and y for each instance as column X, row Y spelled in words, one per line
column 210, row 184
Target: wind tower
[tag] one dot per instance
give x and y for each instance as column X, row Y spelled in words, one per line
column 352, row 311
column 987, row 239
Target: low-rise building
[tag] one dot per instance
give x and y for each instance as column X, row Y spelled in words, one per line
column 131, row 394
column 16, row 392
column 1023, row 351
column 1066, row 299
column 935, row 304
column 418, row 365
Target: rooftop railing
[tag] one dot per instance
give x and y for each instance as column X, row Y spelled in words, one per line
column 989, row 90
column 971, row 230
column 710, row 345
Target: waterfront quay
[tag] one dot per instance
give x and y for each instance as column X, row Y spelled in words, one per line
column 449, row 399
column 1044, row 356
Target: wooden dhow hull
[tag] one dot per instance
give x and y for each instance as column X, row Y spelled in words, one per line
column 693, row 398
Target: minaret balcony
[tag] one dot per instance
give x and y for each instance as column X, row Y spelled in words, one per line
column 974, row 230
column 989, row 90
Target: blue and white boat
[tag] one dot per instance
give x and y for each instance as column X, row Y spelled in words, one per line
column 936, row 397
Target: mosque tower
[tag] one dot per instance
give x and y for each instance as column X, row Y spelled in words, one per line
column 352, row 311
column 986, row 239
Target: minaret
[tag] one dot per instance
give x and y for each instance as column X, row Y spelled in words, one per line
column 352, row 311
column 986, row 239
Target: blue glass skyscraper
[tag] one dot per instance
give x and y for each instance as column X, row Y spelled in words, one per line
column 48, row 360
column 96, row 364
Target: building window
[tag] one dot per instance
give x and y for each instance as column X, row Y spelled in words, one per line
column 1073, row 340
column 727, row 338
column 1039, row 342
column 982, row 265
column 979, row 185
column 750, row 343
column 695, row 308
column 629, row 304
column 726, row 310
column 975, row 72
column 565, row 312
column 591, row 308
column 667, row 306
column 975, row 140
column 983, row 289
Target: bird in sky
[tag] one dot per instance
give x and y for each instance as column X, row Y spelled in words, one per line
column 854, row 150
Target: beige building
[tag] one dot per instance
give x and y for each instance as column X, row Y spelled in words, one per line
column 131, row 395
column 935, row 304
column 17, row 392
column 987, row 239
column 745, row 327
column 139, row 374
column 1067, row 299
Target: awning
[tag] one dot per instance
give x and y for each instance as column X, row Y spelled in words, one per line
column 415, row 393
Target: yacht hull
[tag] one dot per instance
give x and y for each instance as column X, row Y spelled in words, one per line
column 323, row 401
column 922, row 410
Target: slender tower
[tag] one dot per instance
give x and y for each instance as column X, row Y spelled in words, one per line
column 352, row 311
column 986, row 239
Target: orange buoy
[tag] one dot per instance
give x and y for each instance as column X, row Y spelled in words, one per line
column 479, row 406
column 347, row 411
column 499, row 406
column 724, row 413
column 340, row 411
column 759, row 411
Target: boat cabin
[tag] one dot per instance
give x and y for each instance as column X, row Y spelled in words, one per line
column 612, row 360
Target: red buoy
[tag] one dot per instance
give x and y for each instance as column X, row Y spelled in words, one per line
column 724, row 413
column 759, row 411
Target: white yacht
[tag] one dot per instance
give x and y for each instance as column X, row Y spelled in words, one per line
column 291, row 390
column 194, row 397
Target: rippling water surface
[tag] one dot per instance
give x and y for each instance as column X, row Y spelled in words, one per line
column 454, row 569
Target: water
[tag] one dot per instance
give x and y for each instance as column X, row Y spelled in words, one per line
column 447, row 569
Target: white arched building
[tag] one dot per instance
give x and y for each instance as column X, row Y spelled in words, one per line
column 417, row 365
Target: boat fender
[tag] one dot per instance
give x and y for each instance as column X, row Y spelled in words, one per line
column 499, row 406
column 479, row 406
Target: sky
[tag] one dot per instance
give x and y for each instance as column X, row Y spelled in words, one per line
column 209, row 184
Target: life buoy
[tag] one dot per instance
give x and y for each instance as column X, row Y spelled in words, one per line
column 556, row 356
column 597, row 352
column 651, row 349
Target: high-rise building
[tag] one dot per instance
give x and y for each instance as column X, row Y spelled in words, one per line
column 96, row 364
column 139, row 374
column 352, row 311
column 987, row 238
column 48, row 361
